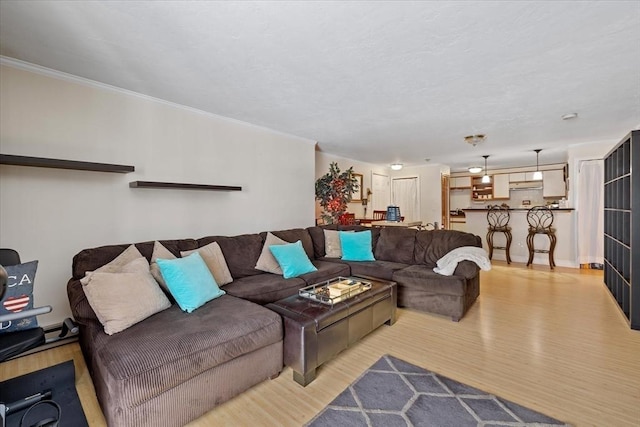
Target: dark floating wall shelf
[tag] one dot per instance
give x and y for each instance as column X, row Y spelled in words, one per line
column 176, row 185
column 43, row 162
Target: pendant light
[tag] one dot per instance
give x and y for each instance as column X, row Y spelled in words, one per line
column 537, row 175
column 486, row 179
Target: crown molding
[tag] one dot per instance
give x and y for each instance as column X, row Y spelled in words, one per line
column 61, row 75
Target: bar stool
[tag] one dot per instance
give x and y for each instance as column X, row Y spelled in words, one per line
column 498, row 219
column 540, row 219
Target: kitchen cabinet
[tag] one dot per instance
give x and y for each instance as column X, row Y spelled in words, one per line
column 521, row 176
column 501, row 186
column 516, row 177
column 553, row 184
column 480, row 190
column 460, row 182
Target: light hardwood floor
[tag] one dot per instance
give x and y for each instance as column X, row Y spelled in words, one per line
column 553, row 341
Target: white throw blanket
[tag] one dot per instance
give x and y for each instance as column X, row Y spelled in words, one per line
column 448, row 263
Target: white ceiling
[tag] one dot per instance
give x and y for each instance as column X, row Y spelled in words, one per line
column 379, row 82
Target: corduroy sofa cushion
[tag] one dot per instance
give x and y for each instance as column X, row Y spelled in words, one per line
column 396, row 245
column 171, row 347
column 418, row 276
column 292, row 236
column 380, row 269
column 326, row 271
column 317, row 236
column 430, row 246
column 264, row 288
column 91, row 259
column 240, row 252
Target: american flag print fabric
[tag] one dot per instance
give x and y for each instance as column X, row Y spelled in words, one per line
column 19, row 296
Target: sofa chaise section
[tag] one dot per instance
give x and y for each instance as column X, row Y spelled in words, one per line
column 174, row 366
column 408, row 256
column 419, row 287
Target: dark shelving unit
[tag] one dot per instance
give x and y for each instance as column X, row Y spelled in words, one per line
column 181, row 186
column 44, row 162
column 622, row 225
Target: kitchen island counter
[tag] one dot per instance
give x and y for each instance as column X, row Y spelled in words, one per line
column 517, row 209
column 563, row 223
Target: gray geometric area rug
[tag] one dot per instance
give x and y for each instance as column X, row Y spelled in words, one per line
column 394, row 393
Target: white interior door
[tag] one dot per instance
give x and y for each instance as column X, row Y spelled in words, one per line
column 381, row 192
column 405, row 195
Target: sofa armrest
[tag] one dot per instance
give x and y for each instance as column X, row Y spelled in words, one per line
column 80, row 308
column 467, row 269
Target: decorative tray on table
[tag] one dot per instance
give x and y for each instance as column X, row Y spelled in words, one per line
column 335, row 290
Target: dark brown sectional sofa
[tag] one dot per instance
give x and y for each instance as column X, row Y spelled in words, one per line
column 173, row 367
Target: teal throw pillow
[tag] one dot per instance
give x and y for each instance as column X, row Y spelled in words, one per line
column 356, row 246
column 292, row 259
column 189, row 281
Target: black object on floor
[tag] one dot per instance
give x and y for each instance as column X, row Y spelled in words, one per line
column 394, row 393
column 61, row 381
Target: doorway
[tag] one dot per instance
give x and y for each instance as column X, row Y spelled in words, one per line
column 405, row 196
column 381, row 193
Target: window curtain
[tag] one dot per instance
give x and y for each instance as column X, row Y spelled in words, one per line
column 405, row 195
column 591, row 212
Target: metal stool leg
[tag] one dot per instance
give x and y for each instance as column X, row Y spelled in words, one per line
column 530, row 237
column 508, row 247
column 552, row 247
column 490, row 243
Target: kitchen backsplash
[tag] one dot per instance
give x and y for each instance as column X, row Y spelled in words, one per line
column 515, row 201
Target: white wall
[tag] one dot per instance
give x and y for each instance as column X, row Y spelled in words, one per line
column 51, row 214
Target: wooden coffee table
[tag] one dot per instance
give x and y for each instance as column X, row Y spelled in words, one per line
column 315, row 332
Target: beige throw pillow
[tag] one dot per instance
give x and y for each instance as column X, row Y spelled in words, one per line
column 214, row 258
column 123, row 299
column 159, row 251
column 332, row 246
column 267, row 261
column 129, row 254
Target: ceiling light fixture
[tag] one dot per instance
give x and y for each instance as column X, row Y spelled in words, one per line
column 570, row 116
column 396, row 166
column 486, row 179
column 474, row 139
column 537, row 175
column 475, row 169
